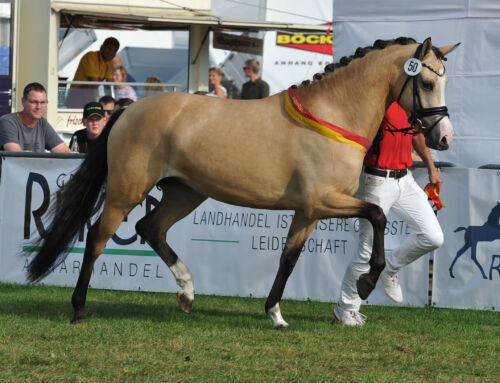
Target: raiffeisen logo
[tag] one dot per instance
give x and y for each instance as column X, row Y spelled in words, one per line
column 313, row 42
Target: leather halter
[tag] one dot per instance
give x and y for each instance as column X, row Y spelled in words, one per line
column 418, row 113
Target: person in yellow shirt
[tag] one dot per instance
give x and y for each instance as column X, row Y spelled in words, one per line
column 94, row 66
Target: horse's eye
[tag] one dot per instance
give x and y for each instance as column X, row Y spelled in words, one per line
column 427, row 85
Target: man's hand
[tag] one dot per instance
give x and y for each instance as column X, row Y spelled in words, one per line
column 435, row 176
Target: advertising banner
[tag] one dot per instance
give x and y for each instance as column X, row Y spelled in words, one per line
column 292, row 57
column 230, row 250
column 467, row 267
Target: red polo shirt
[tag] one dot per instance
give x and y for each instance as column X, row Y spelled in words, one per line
column 391, row 150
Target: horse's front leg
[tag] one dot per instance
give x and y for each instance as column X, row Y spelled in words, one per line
column 335, row 204
column 366, row 282
column 300, row 229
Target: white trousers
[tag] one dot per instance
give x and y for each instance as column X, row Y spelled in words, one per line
column 409, row 202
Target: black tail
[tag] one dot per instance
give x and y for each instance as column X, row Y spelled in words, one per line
column 75, row 202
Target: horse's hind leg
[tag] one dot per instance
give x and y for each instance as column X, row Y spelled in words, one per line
column 97, row 237
column 178, row 201
column 300, row 229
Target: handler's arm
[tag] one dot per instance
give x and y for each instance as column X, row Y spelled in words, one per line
column 425, row 154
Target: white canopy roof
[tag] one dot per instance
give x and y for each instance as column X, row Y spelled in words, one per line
column 163, row 13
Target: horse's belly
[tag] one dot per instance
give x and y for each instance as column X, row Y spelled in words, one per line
column 238, row 189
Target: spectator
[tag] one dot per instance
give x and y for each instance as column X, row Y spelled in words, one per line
column 28, row 130
column 116, row 62
column 108, row 104
column 94, row 66
column 123, row 91
column 215, row 77
column 123, row 103
column 93, row 120
column 255, row 88
column 152, row 90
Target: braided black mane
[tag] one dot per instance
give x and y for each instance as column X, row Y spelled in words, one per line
column 361, row 52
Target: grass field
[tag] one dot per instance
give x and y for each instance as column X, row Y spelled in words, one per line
column 143, row 337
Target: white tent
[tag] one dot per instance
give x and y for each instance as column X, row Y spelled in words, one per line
column 473, row 94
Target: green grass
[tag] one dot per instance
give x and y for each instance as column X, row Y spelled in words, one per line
column 143, row 337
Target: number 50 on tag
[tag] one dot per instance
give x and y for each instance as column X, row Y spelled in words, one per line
column 413, row 67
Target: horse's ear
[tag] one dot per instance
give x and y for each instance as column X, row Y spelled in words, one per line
column 448, row 48
column 426, row 48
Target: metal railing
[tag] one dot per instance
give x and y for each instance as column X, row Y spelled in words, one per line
column 437, row 164
column 75, row 94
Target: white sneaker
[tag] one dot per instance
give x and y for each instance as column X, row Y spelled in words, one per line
column 391, row 287
column 348, row 317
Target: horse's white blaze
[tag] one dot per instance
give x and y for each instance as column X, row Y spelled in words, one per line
column 445, row 126
column 275, row 314
column 183, row 278
column 442, row 85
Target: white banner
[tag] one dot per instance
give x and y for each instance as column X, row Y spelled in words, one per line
column 230, row 250
column 467, row 267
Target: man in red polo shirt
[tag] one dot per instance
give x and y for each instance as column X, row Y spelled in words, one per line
column 389, row 183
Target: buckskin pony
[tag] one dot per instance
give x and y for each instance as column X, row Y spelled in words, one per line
column 301, row 149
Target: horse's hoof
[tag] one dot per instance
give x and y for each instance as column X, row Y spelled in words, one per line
column 365, row 286
column 78, row 319
column 281, row 325
column 451, row 274
column 274, row 313
column 184, row 302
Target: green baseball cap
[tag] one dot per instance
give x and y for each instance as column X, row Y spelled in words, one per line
column 93, row 109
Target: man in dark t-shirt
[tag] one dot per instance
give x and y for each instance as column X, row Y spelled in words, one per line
column 28, row 130
column 255, row 88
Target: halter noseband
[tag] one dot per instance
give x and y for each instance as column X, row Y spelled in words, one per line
column 419, row 113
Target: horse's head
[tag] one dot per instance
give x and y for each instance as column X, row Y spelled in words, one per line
column 422, row 94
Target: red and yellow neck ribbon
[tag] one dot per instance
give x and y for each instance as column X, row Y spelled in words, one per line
column 299, row 112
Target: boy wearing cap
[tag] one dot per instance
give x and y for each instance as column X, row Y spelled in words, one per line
column 93, row 120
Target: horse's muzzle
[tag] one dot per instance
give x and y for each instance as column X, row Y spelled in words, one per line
column 441, row 136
